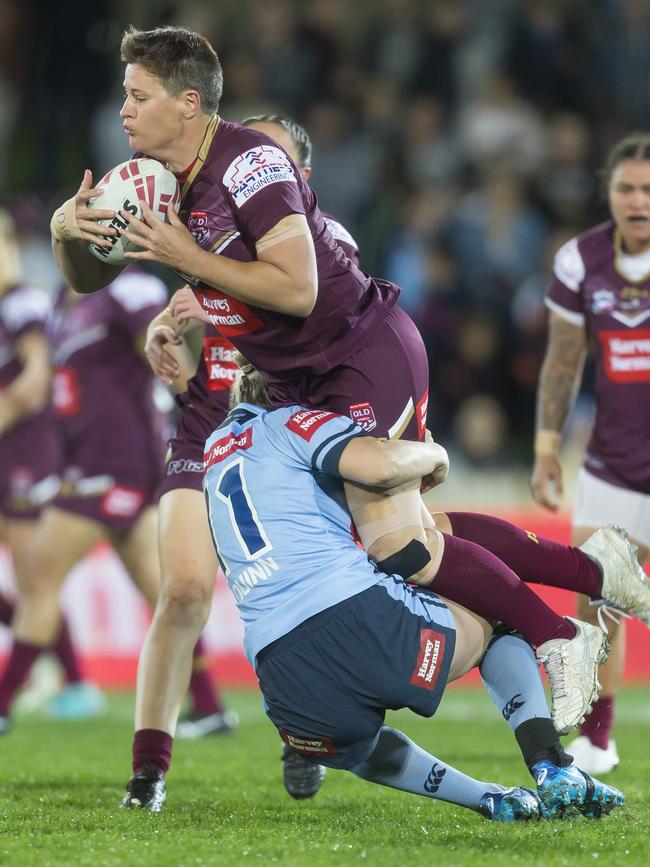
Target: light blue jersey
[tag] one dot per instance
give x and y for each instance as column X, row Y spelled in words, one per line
column 279, row 517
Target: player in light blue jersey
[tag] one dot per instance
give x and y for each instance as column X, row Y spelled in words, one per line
column 334, row 641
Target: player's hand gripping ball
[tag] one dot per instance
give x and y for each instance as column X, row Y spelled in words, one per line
column 125, row 187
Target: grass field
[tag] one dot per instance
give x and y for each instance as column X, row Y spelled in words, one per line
column 60, row 785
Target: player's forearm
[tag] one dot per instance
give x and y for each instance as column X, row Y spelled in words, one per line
column 260, row 283
column 81, row 270
column 406, row 462
column 560, row 376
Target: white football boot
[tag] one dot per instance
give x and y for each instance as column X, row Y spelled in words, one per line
column 571, row 665
column 592, row 759
column 625, row 585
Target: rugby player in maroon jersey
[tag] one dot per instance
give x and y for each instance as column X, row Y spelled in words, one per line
column 29, row 450
column 600, row 298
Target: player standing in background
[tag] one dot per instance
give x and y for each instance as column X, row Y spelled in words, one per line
column 600, row 298
column 29, row 445
column 112, row 439
column 270, row 276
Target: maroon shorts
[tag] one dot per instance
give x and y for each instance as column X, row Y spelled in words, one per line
column 384, row 386
column 199, row 417
column 114, row 497
column 30, row 461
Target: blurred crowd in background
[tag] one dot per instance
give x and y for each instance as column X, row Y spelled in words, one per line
column 458, row 140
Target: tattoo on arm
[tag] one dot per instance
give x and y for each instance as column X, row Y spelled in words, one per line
column 561, row 373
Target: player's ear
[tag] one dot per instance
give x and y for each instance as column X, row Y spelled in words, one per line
column 191, row 104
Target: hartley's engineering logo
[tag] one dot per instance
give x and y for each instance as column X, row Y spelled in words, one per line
column 255, row 169
column 603, row 301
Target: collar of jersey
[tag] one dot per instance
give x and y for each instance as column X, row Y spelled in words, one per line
column 202, row 155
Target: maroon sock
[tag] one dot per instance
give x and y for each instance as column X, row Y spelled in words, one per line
column 205, row 695
column 477, row 579
column 152, row 748
column 21, row 659
column 534, row 559
column 67, row 655
column 6, row 610
column 598, row 724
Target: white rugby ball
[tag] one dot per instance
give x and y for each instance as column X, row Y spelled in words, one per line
column 125, row 187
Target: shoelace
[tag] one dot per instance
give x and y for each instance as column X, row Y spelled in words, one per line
column 606, row 609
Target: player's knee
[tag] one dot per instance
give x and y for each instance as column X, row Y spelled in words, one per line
column 184, row 601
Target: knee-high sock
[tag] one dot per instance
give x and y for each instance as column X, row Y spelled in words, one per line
column 205, row 695
column 152, row 749
column 510, row 674
column 21, row 659
column 400, row 764
column 533, row 558
column 598, row 725
column 474, row 577
column 63, row 647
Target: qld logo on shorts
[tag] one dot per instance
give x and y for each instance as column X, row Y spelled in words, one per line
column 364, row 415
column 430, row 657
column 197, row 223
column 255, row 169
column 306, row 422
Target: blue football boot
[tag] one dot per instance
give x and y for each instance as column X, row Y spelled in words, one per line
column 511, row 805
column 570, row 792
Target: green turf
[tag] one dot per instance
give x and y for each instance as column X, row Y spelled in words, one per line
column 60, row 785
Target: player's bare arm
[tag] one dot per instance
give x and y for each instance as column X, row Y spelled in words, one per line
column 162, row 342
column 390, row 464
column 29, row 392
column 558, row 384
column 284, row 277
column 73, row 226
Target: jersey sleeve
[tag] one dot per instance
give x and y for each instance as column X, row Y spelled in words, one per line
column 564, row 294
column 26, row 309
column 313, row 438
column 343, row 238
column 136, row 299
column 262, row 184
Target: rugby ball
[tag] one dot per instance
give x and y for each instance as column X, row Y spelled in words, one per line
column 125, row 188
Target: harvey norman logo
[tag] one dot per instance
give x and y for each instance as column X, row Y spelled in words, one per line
column 306, row 422
column 427, row 667
column 626, row 355
column 223, row 448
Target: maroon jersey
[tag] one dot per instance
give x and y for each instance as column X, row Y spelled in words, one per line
column 241, row 185
column 607, row 291
column 103, row 389
column 343, row 238
column 29, row 455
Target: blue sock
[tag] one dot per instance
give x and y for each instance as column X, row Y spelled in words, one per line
column 399, row 763
column 510, row 674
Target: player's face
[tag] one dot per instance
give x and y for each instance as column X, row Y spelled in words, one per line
column 152, row 118
column 284, row 138
column 629, row 201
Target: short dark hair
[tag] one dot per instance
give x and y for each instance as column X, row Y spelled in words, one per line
column 297, row 133
column 180, row 58
column 635, row 146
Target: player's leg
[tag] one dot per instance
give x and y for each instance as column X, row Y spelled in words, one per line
column 510, row 674
column 603, row 566
column 470, row 575
column 60, row 541
column 188, row 570
column 138, row 551
column 596, row 502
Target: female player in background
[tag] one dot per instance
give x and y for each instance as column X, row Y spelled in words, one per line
column 29, row 447
column 112, row 438
column 600, row 298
